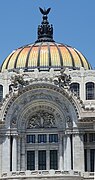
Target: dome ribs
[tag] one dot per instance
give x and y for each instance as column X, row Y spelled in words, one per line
column 60, row 55
column 49, row 55
column 79, row 57
column 73, row 63
column 18, row 57
column 27, row 58
column 38, row 61
column 89, row 67
column 44, row 56
column 6, row 67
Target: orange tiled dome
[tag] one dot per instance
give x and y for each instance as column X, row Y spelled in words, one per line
column 44, row 56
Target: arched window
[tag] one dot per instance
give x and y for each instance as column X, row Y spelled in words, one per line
column 75, row 88
column 90, row 91
column 1, row 93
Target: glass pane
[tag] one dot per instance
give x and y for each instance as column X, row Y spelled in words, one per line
column 91, row 137
column 75, row 88
column 53, row 159
column 42, row 160
column 30, row 160
column 42, row 138
column 85, row 159
column 31, row 138
column 92, row 160
column 85, row 137
column 53, row 138
column 90, row 91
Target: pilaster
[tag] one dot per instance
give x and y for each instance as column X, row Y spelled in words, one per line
column 47, row 159
column 23, row 153
column 88, row 160
column 14, row 153
column 78, row 152
column 6, row 154
column 18, row 153
column 60, row 152
column 67, row 152
column 36, row 159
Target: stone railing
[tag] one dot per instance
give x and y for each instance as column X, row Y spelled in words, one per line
column 57, row 174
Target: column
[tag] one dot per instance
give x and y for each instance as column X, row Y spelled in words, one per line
column 36, row 159
column 14, row 154
column 78, row 152
column 47, row 159
column 60, row 153
column 18, row 153
column 6, row 154
column 67, row 152
column 23, row 167
column 48, row 155
column 88, row 160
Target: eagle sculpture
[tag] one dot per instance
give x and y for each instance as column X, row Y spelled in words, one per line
column 44, row 11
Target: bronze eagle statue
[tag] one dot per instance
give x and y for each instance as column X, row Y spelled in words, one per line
column 44, row 11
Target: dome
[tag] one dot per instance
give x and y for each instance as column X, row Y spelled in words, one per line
column 44, row 56
column 45, row 53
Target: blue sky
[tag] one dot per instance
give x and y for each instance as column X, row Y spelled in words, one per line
column 73, row 22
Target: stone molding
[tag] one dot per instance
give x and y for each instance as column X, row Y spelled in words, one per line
column 52, row 174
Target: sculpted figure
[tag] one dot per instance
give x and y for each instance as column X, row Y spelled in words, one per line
column 44, row 11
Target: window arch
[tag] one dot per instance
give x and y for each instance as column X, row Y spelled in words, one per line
column 1, row 93
column 90, row 91
column 75, row 87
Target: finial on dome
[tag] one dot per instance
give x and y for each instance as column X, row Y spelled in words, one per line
column 45, row 30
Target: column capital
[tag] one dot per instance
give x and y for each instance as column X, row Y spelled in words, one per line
column 74, row 132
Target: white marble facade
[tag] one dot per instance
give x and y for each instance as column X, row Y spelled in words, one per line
column 42, row 107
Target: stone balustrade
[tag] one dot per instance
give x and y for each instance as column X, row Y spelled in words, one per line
column 51, row 174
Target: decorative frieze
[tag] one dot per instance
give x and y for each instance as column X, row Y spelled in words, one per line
column 42, row 119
